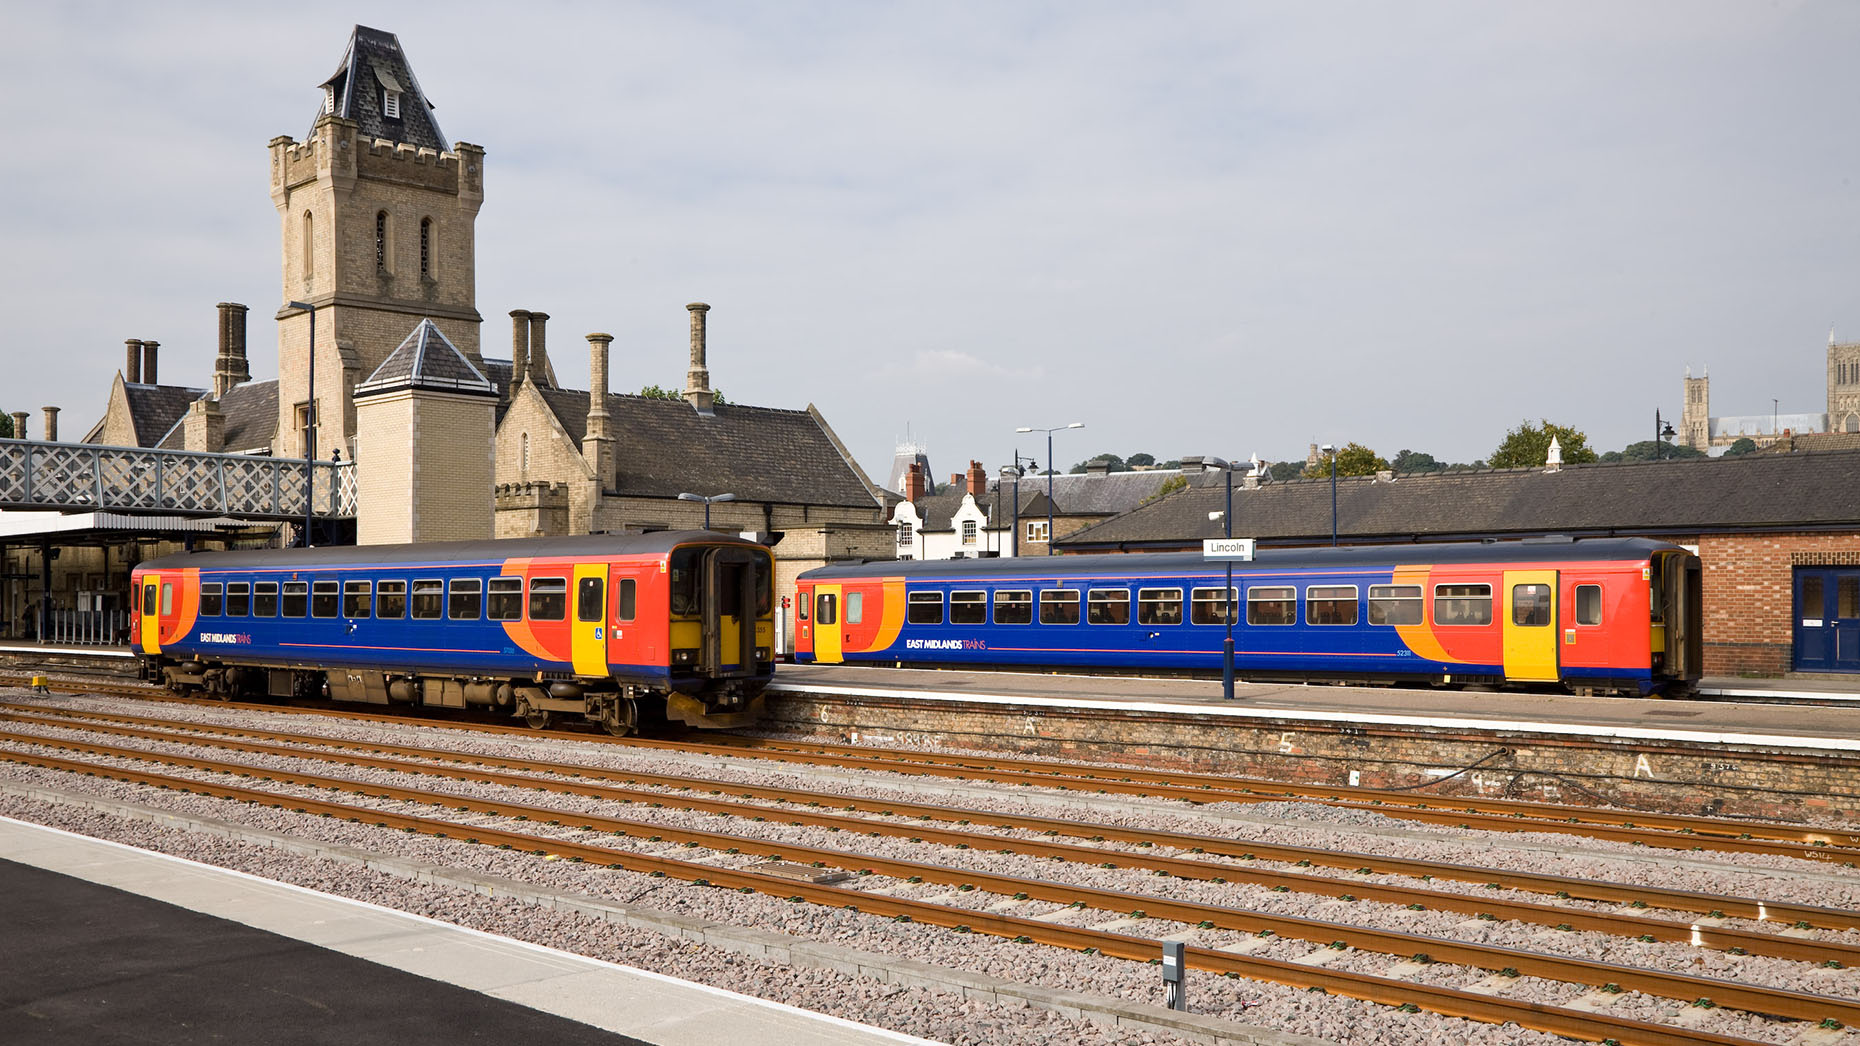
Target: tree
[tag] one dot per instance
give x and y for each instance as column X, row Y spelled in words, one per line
column 1416, row 461
column 1140, row 459
column 1287, row 469
column 1744, row 445
column 1169, row 486
column 6, row 427
column 1657, row 450
column 1528, row 446
column 1353, row 460
column 654, row 392
column 1116, row 463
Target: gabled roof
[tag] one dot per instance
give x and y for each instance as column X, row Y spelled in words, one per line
column 1687, row 496
column 938, row 511
column 154, row 409
column 1088, row 494
column 250, row 410
column 427, row 360
column 665, row 448
column 374, row 63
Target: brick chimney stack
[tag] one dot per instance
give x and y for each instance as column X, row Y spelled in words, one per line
column 148, row 362
column 914, row 484
column 597, row 446
column 232, row 367
column 978, row 478
column 19, row 424
column 540, row 369
column 697, row 379
column 519, row 346
column 51, row 424
column 132, row 366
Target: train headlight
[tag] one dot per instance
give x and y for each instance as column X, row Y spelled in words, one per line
column 762, row 653
column 684, row 657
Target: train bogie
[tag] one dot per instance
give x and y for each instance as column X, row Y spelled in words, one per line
column 602, row 629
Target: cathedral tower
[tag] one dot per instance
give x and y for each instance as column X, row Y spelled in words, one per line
column 378, row 216
column 1843, row 385
column 1695, row 419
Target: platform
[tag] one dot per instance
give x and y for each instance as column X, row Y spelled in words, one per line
column 1706, row 722
column 109, row 944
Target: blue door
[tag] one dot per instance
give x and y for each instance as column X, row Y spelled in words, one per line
column 1827, row 619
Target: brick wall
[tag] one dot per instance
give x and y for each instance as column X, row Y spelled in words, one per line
column 1749, row 582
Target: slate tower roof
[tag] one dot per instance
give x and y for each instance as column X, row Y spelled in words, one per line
column 426, row 360
column 373, row 70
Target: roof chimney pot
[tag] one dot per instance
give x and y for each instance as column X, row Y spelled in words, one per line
column 132, row 365
column 148, row 362
column 697, row 379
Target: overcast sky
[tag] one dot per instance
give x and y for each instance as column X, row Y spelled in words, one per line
column 1219, row 228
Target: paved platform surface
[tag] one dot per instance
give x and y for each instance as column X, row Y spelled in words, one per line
column 1715, row 721
column 102, row 944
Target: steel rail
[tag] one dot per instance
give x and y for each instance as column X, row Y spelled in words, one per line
column 1683, row 987
column 1376, row 798
column 1382, row 990
column 1566, row 887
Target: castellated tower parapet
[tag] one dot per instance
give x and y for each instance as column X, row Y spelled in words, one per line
column 376, row 235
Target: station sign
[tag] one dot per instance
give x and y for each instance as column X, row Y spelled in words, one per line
column 1236, row 549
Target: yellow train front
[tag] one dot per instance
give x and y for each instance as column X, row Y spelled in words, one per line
column 602, row 628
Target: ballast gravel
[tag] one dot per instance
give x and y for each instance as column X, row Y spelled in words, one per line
column 944, row 1015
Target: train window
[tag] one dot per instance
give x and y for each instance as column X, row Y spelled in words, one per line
column 429, row 597
column 1209, row 606
column 1272, row 605
column 805, row 596
column 923, row 608
column 1530, row 605
column 1330, row 605
column 548, row 598
column 1014, row 607
column 355, row 598
column 626, row 600
column 503, row 598
column 1159, row 606
column 1462, row 604
column 211, row 599
column 855, row 607
column 590, row 595
column 325, row 597
column 1059, row 606
column 391, row 600
column 824, row 609
column 1395, row 604
column 167, row 598
column 148, row 600
column 1108, row 606
column 968, row 608
column 686, row 571
column 238, row 598
column 465, row 599
column 1588, row 604
column 265, row 602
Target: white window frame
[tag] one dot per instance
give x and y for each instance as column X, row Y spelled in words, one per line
column 1036, row 530
column 390, row 104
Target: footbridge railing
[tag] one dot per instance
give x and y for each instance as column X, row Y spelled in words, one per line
column 81, row 476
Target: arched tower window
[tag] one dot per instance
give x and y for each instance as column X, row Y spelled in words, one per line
column 524, row 457
column 309, row 246
column 381, row 240
column 426, row 247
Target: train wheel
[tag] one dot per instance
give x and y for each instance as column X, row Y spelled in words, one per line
column 537, row 718
column 620, row 717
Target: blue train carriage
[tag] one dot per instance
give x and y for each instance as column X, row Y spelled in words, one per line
column 1594, row 615
column 596, row 628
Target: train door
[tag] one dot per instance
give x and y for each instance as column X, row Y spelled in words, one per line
column 631, row 641
column 588, row 631
column 1530, row 626
column 827, row 624
column 1827, row 619
column 739, row 585
column 152, row 585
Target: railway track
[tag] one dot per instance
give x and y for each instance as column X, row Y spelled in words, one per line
column 1659, row 831
column 522, row 774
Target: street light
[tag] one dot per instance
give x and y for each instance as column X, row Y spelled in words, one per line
column 1015, row 472
column 309, row 423
column 1332, row 451
column 707, row 501
column 1661, row 433
column 1049, row 475
column 1227, row 527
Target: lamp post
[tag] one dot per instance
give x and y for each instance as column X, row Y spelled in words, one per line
column 1661, row 433
column 707, row 501
column 1332, row 451
column 309, row 424
column 1227, row 530
column 1049, row 475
